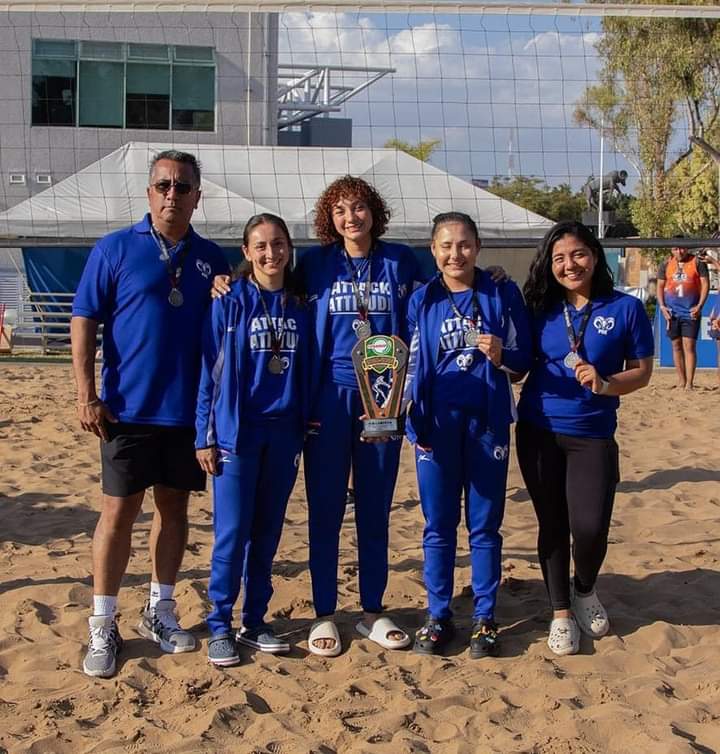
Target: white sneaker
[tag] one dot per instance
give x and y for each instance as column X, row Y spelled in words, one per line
column 589, row 613
column 564, row 636
column 103, row 648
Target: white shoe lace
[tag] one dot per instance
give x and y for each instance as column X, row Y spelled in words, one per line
column 101, row 638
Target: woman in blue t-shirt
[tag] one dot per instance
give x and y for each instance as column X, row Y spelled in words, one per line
column 251, row 414
column 470, row 335
column 592, row 344
column 357, row 285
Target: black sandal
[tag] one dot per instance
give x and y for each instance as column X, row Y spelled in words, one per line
column 433, row 636
column 484, row 640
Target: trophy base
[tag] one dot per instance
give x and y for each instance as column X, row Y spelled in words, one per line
column 382, row 428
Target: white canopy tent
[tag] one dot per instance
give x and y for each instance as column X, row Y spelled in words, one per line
column 239, row 181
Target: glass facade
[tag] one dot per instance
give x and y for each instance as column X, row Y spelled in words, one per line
column 123, row 85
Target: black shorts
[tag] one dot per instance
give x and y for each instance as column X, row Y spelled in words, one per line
column 683, row 328
column 138, row 456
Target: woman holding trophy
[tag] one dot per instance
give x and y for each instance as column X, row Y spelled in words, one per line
column 471, row 335
column 357, row 286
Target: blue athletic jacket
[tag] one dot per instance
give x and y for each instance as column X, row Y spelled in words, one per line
column 503, row 314
column 225, row 352
column 316, row 271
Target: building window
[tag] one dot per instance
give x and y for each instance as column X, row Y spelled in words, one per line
column 123, row 85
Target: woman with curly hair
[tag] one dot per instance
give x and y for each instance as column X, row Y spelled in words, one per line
column 592, row 344
column 357, row 285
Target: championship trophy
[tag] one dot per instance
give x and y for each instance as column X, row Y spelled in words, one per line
column 380, row 363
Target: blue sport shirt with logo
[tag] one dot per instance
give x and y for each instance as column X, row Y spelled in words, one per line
column 618, row 329
column 151, row 349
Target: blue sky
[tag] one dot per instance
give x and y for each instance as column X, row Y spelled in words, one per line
column 476, row 82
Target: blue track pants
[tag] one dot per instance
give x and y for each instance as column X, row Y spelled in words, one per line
column 465, row 458
column 250, row 495
column 328, row 457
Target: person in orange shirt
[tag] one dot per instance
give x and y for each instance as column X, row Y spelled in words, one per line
column 683, row 285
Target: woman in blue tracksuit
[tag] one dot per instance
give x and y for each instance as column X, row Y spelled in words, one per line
column 250, row 421
column 470, row 336
column 356, row 284
column 592, row 344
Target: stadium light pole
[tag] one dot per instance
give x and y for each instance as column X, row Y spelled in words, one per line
column 715, row 154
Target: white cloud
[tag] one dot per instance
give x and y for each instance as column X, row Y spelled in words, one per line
column 452, row 78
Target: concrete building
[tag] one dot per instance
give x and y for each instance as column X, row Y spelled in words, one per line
column 76, row 86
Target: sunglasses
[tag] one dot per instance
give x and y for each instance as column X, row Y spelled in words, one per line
column 163, row 187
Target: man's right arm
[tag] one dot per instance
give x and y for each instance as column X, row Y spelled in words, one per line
column 92, row 412
column 89, row 307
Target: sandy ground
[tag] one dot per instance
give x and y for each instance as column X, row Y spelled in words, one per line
column 652, row 685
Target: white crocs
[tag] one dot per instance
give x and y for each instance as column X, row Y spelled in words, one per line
column 564, row 636
column 589, row 613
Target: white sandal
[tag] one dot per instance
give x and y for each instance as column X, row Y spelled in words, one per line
column 324, row 629
column 589, row 613
column 564, row 636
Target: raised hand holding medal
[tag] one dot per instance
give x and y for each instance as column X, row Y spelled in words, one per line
column 572, row 358
column 473, row 337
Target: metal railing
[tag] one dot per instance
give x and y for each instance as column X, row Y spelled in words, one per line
column 44, row 323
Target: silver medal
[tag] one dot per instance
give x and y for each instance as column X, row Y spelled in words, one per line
column 362, row 329
column 275, row 365
column 571, row 360
column 175, row 297
column 472, row 338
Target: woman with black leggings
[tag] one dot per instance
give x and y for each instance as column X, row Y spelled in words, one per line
column 592, row 344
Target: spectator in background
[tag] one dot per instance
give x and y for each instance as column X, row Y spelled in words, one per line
column 682, row 289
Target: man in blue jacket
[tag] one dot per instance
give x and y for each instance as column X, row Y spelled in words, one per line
column 149, row 286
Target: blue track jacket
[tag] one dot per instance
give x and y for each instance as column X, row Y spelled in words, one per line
column 503, row 314
column 316, row 272
column 220, row 406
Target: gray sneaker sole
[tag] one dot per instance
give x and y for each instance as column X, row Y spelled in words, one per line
column 172, row 649
column 225, row 661
column 276, row 648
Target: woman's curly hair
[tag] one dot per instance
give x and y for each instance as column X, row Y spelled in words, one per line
column 349, row 187
column 541, row 290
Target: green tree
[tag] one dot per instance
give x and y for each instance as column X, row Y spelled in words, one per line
column 556, row 202
column 655, row 71
column 422, row 150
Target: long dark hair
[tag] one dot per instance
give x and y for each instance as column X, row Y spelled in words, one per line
column 244, row 269
column 541, row 290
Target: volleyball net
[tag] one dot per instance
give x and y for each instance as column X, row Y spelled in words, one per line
column 506, row 111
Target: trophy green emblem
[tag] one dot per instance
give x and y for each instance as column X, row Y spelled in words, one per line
column 380, row 363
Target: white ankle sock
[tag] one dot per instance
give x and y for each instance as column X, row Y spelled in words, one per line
column 105, row 604
column 160, row 592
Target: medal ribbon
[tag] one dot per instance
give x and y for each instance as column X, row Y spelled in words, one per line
column 477, row 314
column 576, row 340
column 362, row 303
column 275, row 336
column 174, row 269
